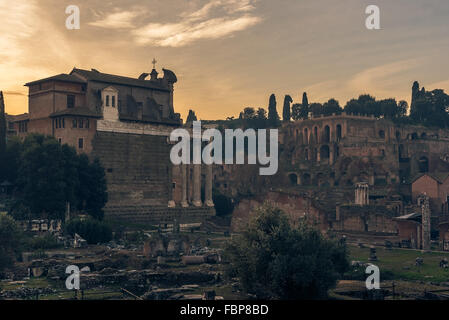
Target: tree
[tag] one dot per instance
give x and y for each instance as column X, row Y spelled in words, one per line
column 2, row 125
column 330, row 107
column 191, row 116
column 316, row 109
column 299, row 111
column 274, row 260
column 10, row 241
column 93, row 194
column 51, row 175
column 305, row 100
column 273, row 116
column 286, row 114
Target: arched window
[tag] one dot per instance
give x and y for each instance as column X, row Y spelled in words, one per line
column 423, row 164
column 327, row 134
column 306, row 136
column 324, row 152
column 338, row 132
column 306, row 180
column 107, row 101
column 293, row 178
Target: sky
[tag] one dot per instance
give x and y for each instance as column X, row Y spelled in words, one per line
column 231, row 54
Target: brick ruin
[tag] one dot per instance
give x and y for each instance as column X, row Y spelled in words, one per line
column 359, row 172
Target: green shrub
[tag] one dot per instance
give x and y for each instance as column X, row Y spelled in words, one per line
column 93, row 231
column 45, row 242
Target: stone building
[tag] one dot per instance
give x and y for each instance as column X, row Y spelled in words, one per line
column 360, row 173
column 126, row 123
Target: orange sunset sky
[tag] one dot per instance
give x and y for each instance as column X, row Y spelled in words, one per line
column 231, row 54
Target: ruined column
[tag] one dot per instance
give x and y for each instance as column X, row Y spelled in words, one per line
column 197, row 185
column 423, row 201
column 208, row 188
column 362, row 194
column 184, row 202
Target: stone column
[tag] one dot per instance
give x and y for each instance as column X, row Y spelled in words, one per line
column 208, row 188
column 423, row 201
column 171, row 191
column 184, row 202
column 197, row 185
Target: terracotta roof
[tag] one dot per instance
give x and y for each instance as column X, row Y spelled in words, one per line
column 60, row 77
column 440, row 177
column 85, row 112
column 95, row 75
column 19, row 117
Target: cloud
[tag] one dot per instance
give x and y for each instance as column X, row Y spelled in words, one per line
column 216, row 19
column 117, row 20
column 181, row 34
column 381, row 78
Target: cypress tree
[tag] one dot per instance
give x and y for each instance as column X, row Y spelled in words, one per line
column 2, row 125
column 273, row 116
column 286, row 114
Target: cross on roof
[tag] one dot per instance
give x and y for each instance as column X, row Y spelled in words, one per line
column 154, row 63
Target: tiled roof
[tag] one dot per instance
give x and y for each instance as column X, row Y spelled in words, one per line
column 94, row 75
column 60, row 77
column 437, row 176
column 19, row 117
column 85, row 112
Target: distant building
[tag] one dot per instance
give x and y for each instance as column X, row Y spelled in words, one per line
column 125, row 122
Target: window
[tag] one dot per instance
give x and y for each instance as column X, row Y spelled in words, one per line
column 113, row 101
column 74, row 123
column 70, row 101
column 87, row 123
column 59, row 123
column 107, row 101
column 56, row 123
column 60, row 140
column 80, row 123
column 80, row 143
column 63, row 122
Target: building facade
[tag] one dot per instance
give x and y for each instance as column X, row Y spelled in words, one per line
column 125, row 122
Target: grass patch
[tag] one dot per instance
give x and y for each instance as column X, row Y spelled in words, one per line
column 400, row 263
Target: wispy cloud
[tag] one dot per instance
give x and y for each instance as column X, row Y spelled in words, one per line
column 181, row 34
column 214, row 19
column 116, row 20
column 381, row 78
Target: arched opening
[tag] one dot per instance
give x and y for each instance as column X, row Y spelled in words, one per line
column 423, row 135
column 398, row 135
column 293, row 178
column 327, row 134
column 382, row 134
column 423, row 164
column 324, row 152
column 306, row 179
column 315, row 133
column 306, row 136
column 338, row 131
column 414, row 136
